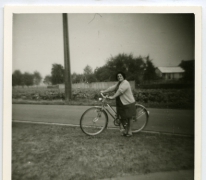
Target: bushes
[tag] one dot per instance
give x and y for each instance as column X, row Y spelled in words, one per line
column 36, row 94
column 155, row 98
column 168, row 85
column 170, row 98
column 47, row 94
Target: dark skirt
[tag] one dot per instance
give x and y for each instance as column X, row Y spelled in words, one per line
column 125, row 112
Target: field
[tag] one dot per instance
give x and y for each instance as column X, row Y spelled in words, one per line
column 152, row 98
column 49, row 152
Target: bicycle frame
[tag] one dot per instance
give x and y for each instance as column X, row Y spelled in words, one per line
column 106, row 107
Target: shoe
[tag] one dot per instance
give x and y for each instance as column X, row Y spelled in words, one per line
column 128, row 135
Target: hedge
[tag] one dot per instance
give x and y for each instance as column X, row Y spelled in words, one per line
column 166, row 86
column 156, row 98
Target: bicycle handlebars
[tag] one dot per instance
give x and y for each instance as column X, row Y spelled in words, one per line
column 103, row 95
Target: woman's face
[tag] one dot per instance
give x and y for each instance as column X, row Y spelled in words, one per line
column 120, row 77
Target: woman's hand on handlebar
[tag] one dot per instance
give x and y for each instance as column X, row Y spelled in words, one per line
column 110, row 97
column 106, row 96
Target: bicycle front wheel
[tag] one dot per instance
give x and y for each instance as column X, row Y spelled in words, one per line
column 93, row 121
column 140, row 120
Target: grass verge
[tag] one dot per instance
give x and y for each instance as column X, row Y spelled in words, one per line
column 49, row 152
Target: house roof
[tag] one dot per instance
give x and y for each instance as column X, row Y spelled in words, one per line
column 176, row 69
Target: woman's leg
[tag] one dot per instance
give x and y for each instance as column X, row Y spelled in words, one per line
column 129, row 126
column 122, row 129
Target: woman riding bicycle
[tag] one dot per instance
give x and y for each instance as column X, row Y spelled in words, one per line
column 125, row 103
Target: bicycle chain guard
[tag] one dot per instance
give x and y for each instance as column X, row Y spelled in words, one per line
column 116, row 122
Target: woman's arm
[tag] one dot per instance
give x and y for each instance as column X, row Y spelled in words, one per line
column 118, row 93
column 122, row 88
column 110, row 89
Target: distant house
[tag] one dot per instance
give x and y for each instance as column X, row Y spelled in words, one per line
column 170, row 73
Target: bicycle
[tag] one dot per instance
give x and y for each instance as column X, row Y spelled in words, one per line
column 95, row 119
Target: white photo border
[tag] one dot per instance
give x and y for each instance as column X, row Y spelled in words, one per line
column 7, row 79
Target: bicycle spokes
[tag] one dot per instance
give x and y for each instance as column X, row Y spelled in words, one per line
column 140, row 113
column 99, row 113
column 93, row 121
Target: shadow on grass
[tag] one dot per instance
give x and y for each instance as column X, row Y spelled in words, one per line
column 60, row 152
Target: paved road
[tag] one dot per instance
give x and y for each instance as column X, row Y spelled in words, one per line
column 162, row 120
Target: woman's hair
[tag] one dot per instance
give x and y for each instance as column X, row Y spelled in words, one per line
column 123, row 74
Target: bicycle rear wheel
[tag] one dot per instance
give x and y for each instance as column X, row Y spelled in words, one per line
column 93, row 121
column 140, row 120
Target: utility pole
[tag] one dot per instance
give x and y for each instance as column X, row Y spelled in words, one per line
column 67, row 71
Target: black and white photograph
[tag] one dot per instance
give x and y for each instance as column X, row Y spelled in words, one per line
column 104, row 94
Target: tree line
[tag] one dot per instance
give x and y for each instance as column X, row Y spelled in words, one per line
column 25, row 79
column 139, row 69
column 136, row 68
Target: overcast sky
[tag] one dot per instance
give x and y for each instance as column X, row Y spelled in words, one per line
column 38, row 39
